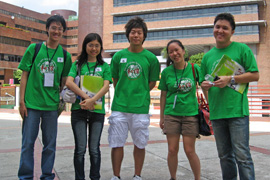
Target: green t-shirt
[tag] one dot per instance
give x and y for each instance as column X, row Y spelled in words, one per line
column 186, row 102
column 101, row 71
column 134, row 71
column 36, row 95
column 226, row 102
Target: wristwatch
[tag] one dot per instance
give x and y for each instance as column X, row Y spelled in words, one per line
column 232, row 80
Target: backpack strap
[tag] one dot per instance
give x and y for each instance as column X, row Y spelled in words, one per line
column 37, row 48
column 65, row 57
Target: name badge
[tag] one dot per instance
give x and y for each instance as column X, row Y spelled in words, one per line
column 98, row 69
column 123, row 60
column 48, row 79
column 60, row 59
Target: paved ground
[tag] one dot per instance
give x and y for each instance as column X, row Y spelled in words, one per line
column 155, row 166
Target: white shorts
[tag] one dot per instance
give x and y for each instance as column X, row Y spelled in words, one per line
column 121, row 122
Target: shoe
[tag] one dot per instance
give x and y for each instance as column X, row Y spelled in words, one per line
column 116, row 178
column 136, row 177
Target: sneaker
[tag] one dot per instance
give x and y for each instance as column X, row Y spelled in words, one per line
column 136, row 177
column 116, row 178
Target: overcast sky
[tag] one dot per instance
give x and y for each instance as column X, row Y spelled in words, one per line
column 45, row 6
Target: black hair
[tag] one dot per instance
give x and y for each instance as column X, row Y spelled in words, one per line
column 226, row 16
column 83, row 57
column 169, row 61
column 136, row 22
column 56, row 18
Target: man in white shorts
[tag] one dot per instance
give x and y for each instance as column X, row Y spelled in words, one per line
column 135, row 71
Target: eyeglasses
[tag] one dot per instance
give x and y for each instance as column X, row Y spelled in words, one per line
column 97, row 46
column 54, row 28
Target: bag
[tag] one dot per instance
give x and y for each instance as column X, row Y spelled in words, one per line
column 67, row 95
column 205, row 125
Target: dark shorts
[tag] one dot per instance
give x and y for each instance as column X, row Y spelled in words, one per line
column 185, row 125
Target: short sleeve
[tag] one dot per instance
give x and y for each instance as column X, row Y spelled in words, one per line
column 162, row 84
column 26, row 62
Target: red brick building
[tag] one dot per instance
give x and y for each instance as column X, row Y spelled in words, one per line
column 20, row 27
column 189, row 21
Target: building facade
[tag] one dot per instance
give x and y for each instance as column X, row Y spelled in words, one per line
column 19, row 27
column 192, row 23
column 189, row 21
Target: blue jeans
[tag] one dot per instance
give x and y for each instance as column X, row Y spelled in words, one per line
column 79, row 121
column 30, row 130
column 232, row 139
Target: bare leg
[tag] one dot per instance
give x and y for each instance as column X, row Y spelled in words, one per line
column 173, row 148
column 138, row 155
column 194, row 161
column 117, row 155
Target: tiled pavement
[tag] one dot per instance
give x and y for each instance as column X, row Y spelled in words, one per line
column 155, row 166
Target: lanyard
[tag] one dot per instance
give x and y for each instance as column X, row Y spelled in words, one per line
column 179, row 84
column 94, row 69
column 53, row 54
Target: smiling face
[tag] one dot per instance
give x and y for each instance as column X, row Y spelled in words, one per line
column 223, row 33
column 176, row 53
column 93, row 49
column 136, row 37
column 55, row 31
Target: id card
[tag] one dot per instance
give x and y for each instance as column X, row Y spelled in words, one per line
column 48, row 79
column 175, row 98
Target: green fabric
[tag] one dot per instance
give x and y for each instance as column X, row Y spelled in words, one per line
column 101, row 71
column 186, row 103
column 36, row 95
column 226, row 102
column 134, row 71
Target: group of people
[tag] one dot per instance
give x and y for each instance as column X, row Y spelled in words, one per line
column 134, row 72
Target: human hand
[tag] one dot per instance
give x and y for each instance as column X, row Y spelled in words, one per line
column 88, row 104
column 161, row 123
column 222, row 81
column 206, row 85
column 23, row 110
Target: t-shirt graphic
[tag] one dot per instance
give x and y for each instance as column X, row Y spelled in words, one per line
column 133, row 70
column 186, row 84
column 44, row 66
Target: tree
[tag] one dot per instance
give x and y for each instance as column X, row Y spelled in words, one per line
column 17, row 74
column 196, row 58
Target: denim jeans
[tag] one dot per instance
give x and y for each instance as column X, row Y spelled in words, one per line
column 79, row 121
column 232, row 139
column 30, row 129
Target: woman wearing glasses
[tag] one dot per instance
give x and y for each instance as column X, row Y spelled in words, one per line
column 83, row 113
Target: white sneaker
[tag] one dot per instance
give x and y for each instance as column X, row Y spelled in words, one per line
column 115, row 178
column 136, row 177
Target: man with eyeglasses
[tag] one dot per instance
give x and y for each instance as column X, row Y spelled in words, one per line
column 41, row 80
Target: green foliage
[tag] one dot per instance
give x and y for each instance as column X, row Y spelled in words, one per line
column 17, row 74
column 196, row 58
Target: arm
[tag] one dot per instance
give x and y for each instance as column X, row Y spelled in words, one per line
column 73, row 87
column 242, row 78
column 89, row 103
column 23, row 109
column 162, row 108
column 205, row 94
column 115, row 82
column 63, row 82
column 152, row 84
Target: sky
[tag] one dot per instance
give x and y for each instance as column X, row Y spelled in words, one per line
column 45, row 6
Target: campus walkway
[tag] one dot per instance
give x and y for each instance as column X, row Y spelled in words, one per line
column 155, row 166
